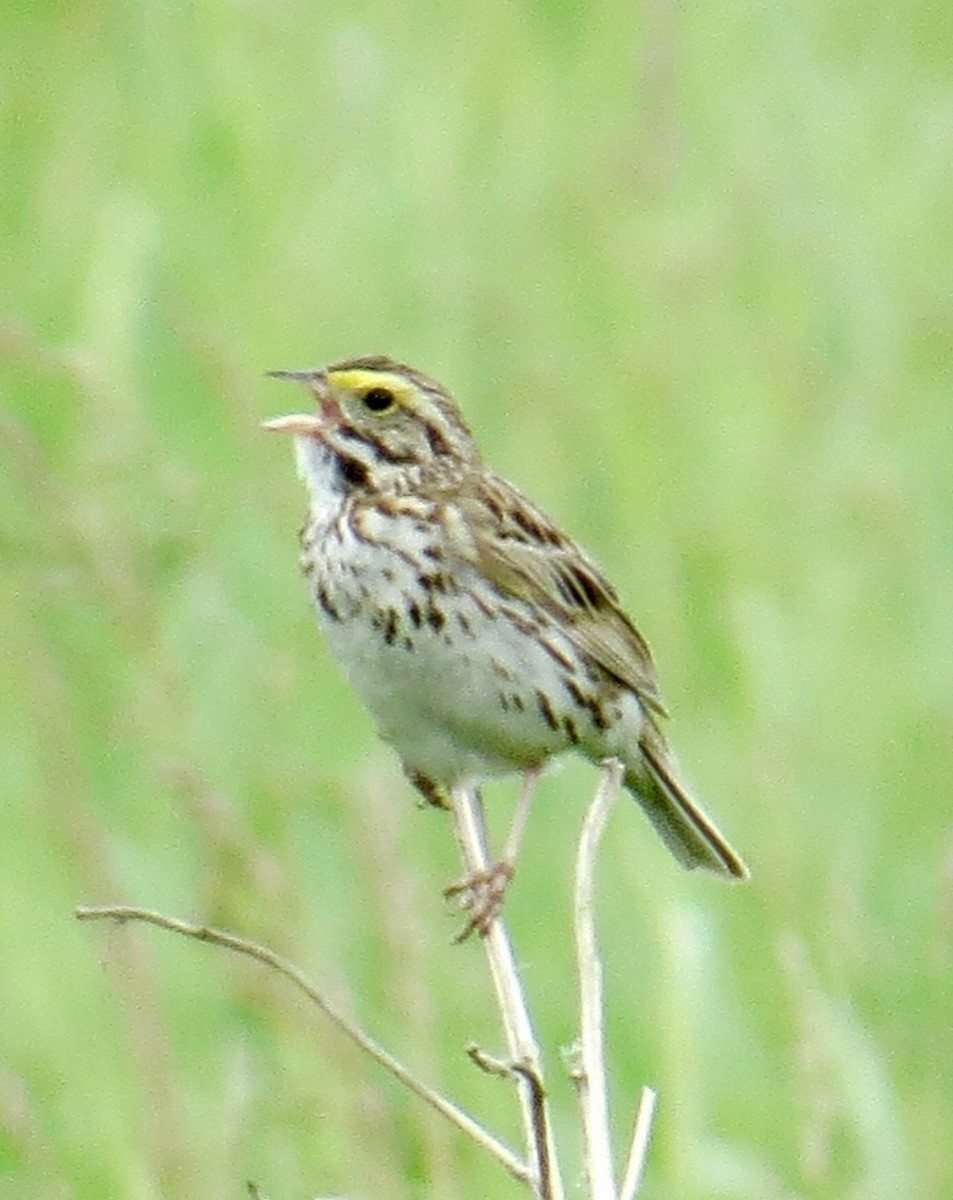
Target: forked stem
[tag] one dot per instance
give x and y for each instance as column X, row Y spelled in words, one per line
column 539, row 1170
column 470, row 827
column 123, row 913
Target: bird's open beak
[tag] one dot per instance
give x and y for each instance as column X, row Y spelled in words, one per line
column 316, row 381
column 300, row 423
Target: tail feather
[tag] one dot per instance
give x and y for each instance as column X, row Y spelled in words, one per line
column 688, row 833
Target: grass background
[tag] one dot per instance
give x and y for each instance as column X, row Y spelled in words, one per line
column 689, row 270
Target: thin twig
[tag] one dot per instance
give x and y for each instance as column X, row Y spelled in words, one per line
column 122, row 913
column 488, row 1064
column 639, row 1150
column 543, row 1151
column 520, row 1070
column 470, row 827
column 590, row 1076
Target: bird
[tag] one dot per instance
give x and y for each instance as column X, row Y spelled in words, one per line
column 482, row 639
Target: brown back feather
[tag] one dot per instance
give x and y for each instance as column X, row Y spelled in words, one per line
column 524, row 553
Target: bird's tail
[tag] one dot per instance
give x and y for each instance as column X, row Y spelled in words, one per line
column 687, row 831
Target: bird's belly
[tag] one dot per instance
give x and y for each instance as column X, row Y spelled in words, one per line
column 458, row 690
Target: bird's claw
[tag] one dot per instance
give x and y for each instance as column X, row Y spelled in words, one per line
column 481, row 896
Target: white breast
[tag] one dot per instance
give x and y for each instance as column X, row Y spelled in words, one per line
column 452, row 687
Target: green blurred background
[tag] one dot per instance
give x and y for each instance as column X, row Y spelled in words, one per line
column 690, row 271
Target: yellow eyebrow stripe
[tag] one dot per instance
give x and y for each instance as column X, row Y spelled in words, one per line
column 358, row 380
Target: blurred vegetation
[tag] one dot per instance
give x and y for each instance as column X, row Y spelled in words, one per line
column 689, row 269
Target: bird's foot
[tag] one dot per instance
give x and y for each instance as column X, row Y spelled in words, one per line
column 481, row 895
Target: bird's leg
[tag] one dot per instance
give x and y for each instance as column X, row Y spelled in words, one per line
column 481, row 892
column 514, row 838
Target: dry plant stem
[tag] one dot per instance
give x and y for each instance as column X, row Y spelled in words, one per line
column 470, row 827
column 275, row 962
column 591, row 1077
column 639, row 1150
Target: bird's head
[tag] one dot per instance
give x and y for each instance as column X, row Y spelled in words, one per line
column 377, row 423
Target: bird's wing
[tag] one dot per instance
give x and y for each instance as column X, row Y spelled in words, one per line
column 519, row 549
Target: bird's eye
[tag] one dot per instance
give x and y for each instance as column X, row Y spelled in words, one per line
column 378, row 399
